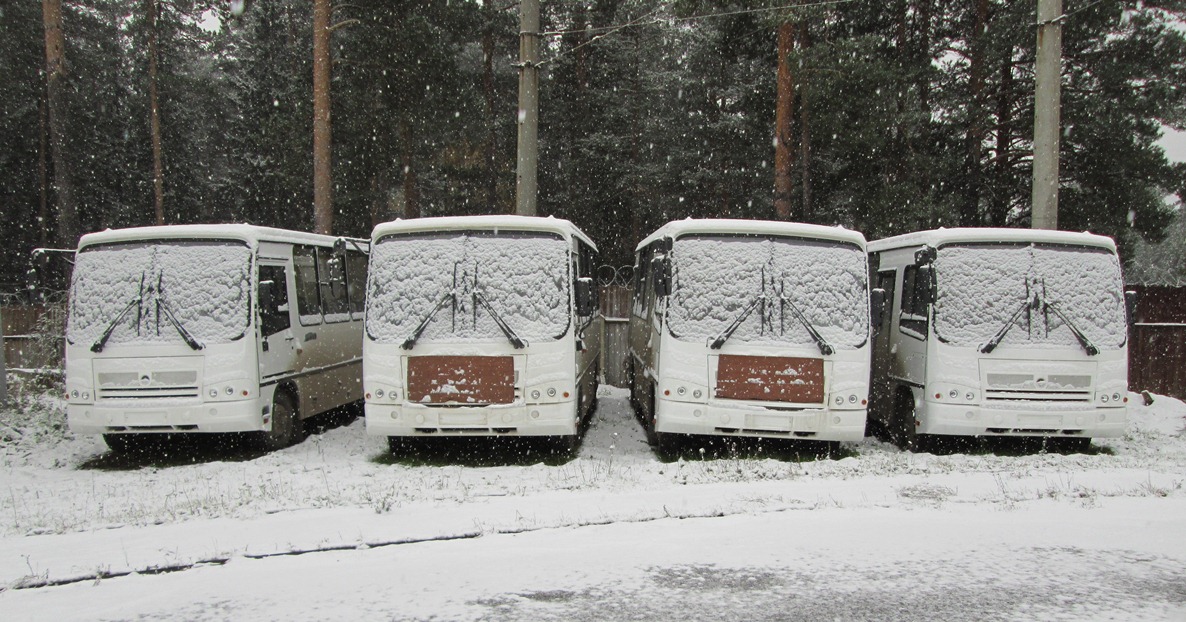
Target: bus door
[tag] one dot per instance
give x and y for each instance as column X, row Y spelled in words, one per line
column 277, row 346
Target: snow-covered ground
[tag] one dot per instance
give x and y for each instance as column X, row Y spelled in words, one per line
column 334, row 528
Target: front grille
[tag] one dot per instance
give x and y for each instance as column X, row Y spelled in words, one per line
column 147, row 385
column 1038, row 396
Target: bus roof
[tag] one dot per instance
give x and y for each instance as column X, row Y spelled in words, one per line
column 488, row 222
column 677, row 228
column 939, row 237
column 251, row 234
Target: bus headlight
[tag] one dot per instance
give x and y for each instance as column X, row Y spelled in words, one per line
column 1104, row 398
column 213, row 393
column 535, row 394
column 1115, row 397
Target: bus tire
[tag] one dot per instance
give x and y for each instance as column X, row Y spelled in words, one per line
column 286, row 423
column 902, row 429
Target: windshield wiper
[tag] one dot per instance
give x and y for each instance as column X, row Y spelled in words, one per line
column 1083, row 340
column 825, row 348
column 732, row 328
column 137, row 301
column 411, row 341
column 514, row 338
column 161, row 303
column 991, row 344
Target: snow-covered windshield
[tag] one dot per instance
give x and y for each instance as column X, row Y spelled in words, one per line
column 522, row 277
column 202, row 283
column 981, row 287
column 715, row 278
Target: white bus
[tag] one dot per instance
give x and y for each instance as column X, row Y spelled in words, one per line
column 1000, row 332
column 212, row 328
column 481, row 326
column 751, row 328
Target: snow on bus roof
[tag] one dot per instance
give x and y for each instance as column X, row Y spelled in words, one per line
column 494, row 222
column 251, row 234
column 686, row 226
column 939, row 237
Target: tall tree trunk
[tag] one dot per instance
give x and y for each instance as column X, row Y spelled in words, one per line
column 56, row 73
column 154, row 113
column 381, row 197
column 491, row 112
column 999, row 210
column 805, row 128
column 411, row 191
column 323, row 208
column 784, row 158
column 43, row 174
column 973, row 177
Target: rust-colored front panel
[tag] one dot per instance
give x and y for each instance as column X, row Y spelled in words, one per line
column 461, row 379
column 770, row 379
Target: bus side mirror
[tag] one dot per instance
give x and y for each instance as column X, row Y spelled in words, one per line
column 586, row 300
column 662, row 278
column 1131, row 299
column 876, row 306
column 924, row 282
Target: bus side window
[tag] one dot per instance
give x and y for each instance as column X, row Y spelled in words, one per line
column 356, row 281
column 304, row 260
column 887, row 281
column 913, row 319
column 273, row 313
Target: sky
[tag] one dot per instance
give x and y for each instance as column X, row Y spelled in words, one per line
column 1174, row 143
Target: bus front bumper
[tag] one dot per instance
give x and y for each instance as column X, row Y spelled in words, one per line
column 234, row 416
column 1018, row 420
column 557, row 419
column 819, row 424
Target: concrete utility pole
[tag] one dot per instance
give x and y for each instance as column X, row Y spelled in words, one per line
column 1047, row 104
column 526, row 190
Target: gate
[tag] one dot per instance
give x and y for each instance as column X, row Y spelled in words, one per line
column 615, row 310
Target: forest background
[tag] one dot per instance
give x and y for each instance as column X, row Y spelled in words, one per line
column 896, row 115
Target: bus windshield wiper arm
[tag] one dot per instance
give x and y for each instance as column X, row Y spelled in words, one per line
column 724, row 335
column 162, row 303
column 411, row 341
column 510, row 333
column 1083, row 340
column 101, row 342
column 991, row 344
column 825, row 348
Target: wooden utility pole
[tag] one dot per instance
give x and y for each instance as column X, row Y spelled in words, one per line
column 1047, row 74
column 526, row 189
column 55, row 87
column 154, row 114
column 784, row 109
column 323, row 201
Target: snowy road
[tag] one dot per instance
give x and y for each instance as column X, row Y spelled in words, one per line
column 612, row 534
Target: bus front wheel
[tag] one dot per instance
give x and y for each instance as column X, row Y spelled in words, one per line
column 286, row 423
